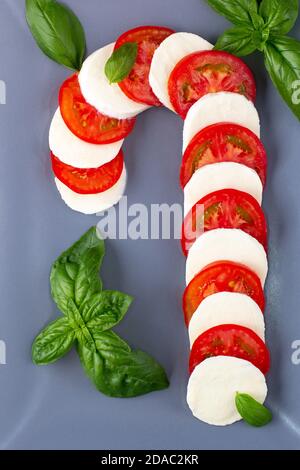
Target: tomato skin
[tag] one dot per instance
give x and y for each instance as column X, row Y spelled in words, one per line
column 226, row 208
column 89, row 180
column 230, row 340
column 224, row 142
column 85, row 121
column 136, row 86
column 205, row 72
column 221, row 276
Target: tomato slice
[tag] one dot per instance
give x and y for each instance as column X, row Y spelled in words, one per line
column 230, row 340
column 227, row 208
column 222, row 276
column 89, row 180
column 136, row 86
column 85, row 121
column 208, row 72
column 224, row 142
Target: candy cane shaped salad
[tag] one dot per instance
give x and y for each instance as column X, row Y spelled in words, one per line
column 223, row 172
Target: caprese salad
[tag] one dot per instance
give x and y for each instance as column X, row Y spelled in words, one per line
column 223, row 172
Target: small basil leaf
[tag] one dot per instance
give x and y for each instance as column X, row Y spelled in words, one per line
column 253, row 412
column 279, row 15
column 105, row 310
column 57, row 31
column 121, row 62
column 74, row 316
column 237, row 41
column 116, row 370
column 260, row 38
column 282, row 60
column 53, row 342
column 257, row 20
column 75, row 274
column 236, row 11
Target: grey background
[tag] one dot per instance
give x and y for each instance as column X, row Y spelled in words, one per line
column 56, row 407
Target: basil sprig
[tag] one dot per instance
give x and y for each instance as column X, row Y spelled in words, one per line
column 253, row 412
column 88, row 314
column 121, row 62
column 263, row 25
column 57, row 32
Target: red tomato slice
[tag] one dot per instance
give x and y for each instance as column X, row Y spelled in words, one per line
column 230, row 340
column 89, row 180
column 224, row 142
column 136, row 86
column 85, row 121
column 208, row 72
column 227, row 208
column 222, row 276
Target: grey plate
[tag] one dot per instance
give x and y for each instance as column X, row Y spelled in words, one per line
column 56, row 407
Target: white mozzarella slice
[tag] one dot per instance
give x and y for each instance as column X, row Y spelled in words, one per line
column 166, row 57
column 93, row 203
column 226, row 245
column 220, row 107
column 226, row 308
column 213, row 385
column 106, row 97
column 76, row 152
column 225, row 175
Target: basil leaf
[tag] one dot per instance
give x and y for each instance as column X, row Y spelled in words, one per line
column 116, row 370
column 75, row 318
column 53, row 342
column 236, row 11
column 279, row 15
column 75, row 274
column 253, row 412
column 57, row 31
column 282, row 60
column 257, row 21
column 87, row 281
column 120, row 63
column 237, row 41
column 105, row 310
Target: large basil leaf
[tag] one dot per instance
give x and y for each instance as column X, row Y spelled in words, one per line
column 282, row 60
column 75, row 274
column 105, row 310
column 237, row 41
column 53, row 342
column 57, row 31
column 116, row 370
column 279, row 15
column 236, row 11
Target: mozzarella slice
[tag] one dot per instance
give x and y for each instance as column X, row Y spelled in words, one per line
column 93, row 203
column 220, row 107
column 106, row 97
column 226, row 245
column 166, row 57
column 225, row 175
column 226, row 308
column 213, row 385
column 76, row 152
